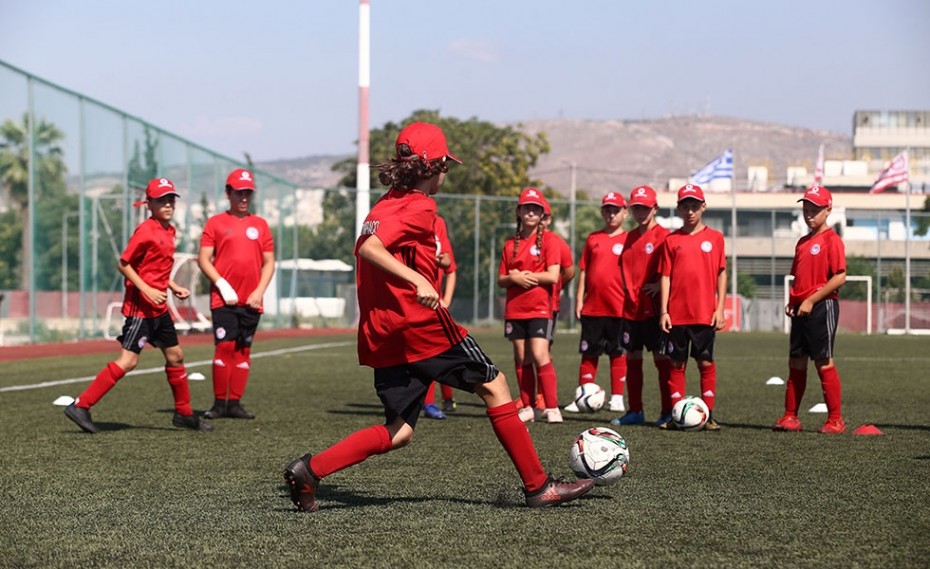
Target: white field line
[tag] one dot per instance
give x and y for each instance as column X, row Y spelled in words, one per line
column 162, row 369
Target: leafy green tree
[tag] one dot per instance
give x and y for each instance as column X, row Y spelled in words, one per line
column 745, row 283
column 143, row 166
column 857, row 290
column 923, row 221
column 11, row 248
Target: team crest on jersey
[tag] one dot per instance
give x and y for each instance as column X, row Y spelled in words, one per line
column 617, row 249
column 252, row 233
column 220, row 333
column 650, row 248
column 815, row 249
column 143, row 341
column 707, row 246
column 534, row 251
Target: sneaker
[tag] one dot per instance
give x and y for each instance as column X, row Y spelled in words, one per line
column 711, row 424
column 540, row 402
column 527, row 414
column 616, row 403
column 81, row 417
column 432, row 412
column 449, row 405
column 833, row 427
column 190, row 422
column 218, row 410
column 787, row 423
column 235, row 410
column 302, row 484
column 665, row 421
column 631, row 418
column 556, row 491
column 571, row 408
column 552, row 415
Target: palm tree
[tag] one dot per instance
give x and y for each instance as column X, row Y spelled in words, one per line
column 14, row 172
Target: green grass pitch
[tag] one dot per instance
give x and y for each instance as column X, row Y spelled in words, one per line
column 143, row 494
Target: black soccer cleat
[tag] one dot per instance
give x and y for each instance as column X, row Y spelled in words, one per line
column 81, row 418
column 218, row 410
column 192, row 422
column 235, row 410
column 302, row 484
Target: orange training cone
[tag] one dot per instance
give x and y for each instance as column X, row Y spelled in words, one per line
column 867, row 430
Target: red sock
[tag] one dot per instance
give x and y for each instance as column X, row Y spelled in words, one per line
column 664, row 367
column 709, row 384
column 617, row 374
column 446, row 391
column 105, row 380
column 587, row 371
column 794, row 391
column 527, row 380
column 351, row 450
column 832, row 391
column 239, row 374
column 430, row 396
column 677, row 383
column 177, row 379
column 515, row 439
column 547, row 384
column 222, row 368
column 634, row 384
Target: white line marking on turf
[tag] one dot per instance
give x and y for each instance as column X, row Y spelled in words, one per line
column 162, row 369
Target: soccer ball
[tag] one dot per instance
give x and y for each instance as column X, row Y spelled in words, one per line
column 600, row 454
column 690, row 414
column 589, row 397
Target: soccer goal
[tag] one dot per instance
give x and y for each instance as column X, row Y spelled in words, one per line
column 867, row 279
column 189, row 314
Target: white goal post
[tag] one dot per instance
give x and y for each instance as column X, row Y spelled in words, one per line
column 867, row 279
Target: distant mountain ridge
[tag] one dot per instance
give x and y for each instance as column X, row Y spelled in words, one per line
column 621, row 154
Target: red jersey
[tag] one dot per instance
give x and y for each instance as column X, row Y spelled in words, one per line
column 693, row 261
column 603, row 293
column 565, row 261
column 817, row 257
column 534, row 302
column 239, row 245
column 443, row 245
column 150, row 252
column 394, row 329
column 639, row 265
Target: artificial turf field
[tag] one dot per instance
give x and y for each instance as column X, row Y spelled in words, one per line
column 143, row 494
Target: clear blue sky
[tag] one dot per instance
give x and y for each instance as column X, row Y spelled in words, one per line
column 280, row 79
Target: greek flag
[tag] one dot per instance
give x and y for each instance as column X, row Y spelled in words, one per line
column 719, row 167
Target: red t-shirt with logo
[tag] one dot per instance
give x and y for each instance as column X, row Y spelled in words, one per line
column 443, row 245
column 565, row 261
column 150, row 252
column 239, row 245
column 817, row 257
column 534, row 302
column 393, row 328
column 639, row 265
column 603, row 293
column 693, row 261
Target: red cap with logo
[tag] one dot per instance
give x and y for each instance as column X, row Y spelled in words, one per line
column 426, row 141
column 159, row 188
column 613, row 198
column 643, row 195
column 241, row 179
column 547, row 209
column 690, row 191
column 532, row 196
column 819, row 196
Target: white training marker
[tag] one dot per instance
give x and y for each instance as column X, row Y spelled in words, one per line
column 196, row 376
column 775, row 380
column 63, row 401
column 818, row 408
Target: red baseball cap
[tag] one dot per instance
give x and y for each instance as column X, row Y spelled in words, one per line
column 691, row 191
column 159, row 188
column 533, row 196
column 819, row 196
column 241, row 179
column 547, row 209
column 426, row 140
column 643, row 195
column 613, row 198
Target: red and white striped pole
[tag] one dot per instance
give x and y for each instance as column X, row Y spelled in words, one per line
column 363, row 180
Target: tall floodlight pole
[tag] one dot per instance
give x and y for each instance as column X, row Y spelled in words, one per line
column 363, row 178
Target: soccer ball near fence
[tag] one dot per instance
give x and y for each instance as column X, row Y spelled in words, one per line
column 690, row 414
column 600, row 454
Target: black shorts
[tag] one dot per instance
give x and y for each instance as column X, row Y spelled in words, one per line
column 402, row 388
column 158, row 331
column 701, row 338
column 235, row 323
column 555, row 322
column 600, row 335
column 639, row 334
column 814, row 335
column 528, row 328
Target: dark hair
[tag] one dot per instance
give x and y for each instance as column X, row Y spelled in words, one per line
column 408, row 169
column 516, row 237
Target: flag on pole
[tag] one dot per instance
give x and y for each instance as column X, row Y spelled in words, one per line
column 818, row 169
column 719, row 167
column 895, row 173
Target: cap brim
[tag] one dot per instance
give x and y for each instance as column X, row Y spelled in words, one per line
column 454, row 158
column 813, row 202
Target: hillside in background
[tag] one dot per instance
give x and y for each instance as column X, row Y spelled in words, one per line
column 621, row 154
